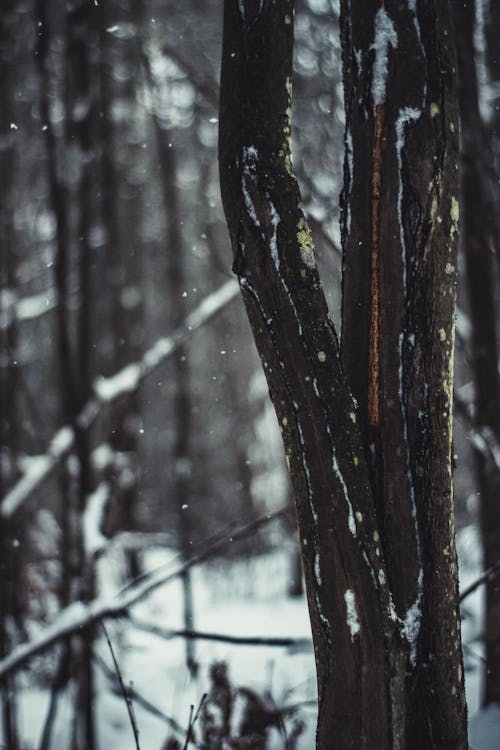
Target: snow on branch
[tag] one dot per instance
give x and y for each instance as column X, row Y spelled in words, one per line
column 14, row 308
column 127, row 380
column 38, row 469
column 107, row 390
column 78, row 616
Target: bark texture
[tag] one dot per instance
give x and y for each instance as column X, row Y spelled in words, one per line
column 400, row 225
column 367, row 435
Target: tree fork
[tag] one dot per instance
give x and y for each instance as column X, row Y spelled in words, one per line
column 383, row 655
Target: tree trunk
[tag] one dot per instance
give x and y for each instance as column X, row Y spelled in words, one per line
column 123, row 274
column 176, row 290
column 371, row 475
column 479, row 239
column 9, row 562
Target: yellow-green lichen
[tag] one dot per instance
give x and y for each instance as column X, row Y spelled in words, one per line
column 434, row 109
column 306, row 244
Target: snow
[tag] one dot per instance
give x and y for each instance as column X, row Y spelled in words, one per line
column 36, row 468
column 125, row 381
column 385, row 37
column 24, row 308
column 245, row 598
column 352, row 613
column 411, row 624
column 349, row 151
column 484, row 728
column 29, row 308
column 93, row 517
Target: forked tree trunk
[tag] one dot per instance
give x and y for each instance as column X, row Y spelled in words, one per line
column 367, row 433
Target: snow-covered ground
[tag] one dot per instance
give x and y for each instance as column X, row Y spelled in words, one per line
column 244, row 598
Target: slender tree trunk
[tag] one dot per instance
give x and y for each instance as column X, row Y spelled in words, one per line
column 371, row 476
column 9, row 578
column 176, row 285
column 63, row 347
column 82, row 47
column 73, row 358
column 123, row 276
column 176, row 280
column 478, row 240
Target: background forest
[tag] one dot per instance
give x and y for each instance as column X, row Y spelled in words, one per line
column 137, row 440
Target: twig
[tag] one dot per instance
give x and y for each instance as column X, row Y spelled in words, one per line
column 140, row 699
column 123, row 689
column 188, row 733
column 167, row 634
column 488, row 575
column 192, row 720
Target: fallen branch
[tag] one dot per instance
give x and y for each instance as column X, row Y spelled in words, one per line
column 167, row 634
column 109, row 390
column 78, row 616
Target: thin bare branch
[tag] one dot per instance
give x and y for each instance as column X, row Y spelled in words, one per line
column 139, row 699
column 488, row 575
column 167, row 634
column 124, row 692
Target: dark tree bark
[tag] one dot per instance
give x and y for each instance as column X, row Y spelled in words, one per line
column 479, row 240
column 73, row 336
column 368, row 437
column 399, row 236
column 80, row 124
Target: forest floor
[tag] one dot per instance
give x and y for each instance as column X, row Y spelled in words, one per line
column 240, row 598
